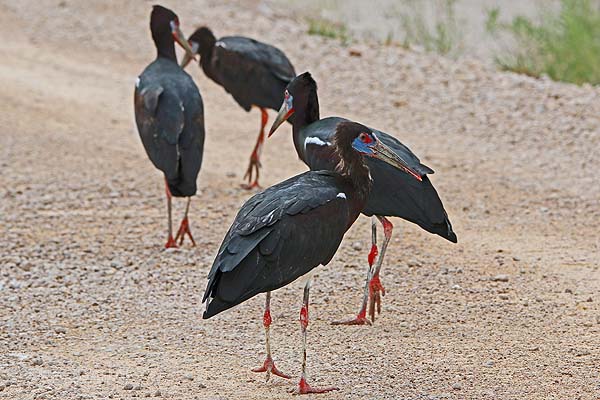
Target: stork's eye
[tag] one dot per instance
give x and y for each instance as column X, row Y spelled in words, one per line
column 287, row 94
column 363, row 137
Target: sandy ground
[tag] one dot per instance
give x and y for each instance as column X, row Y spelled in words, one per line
column 91, row 306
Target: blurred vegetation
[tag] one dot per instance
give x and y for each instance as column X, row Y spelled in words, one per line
column 443, row 35
column 432, row 25
column 564, row 44
column 328, row 29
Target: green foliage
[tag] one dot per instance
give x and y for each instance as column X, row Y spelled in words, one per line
column 445, row 36
column 563, row 45
column 328, row 29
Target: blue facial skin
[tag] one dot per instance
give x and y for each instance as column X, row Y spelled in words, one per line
column 289, row 101
column 362, row 147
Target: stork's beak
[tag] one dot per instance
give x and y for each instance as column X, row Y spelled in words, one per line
column 187, row 57
column 284, row 113
column 180, row 38
column 387, row 155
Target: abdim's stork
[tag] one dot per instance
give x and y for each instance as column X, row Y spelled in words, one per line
column 169, row 116
column 287, row 230
column 254, row 73
column 395, row 193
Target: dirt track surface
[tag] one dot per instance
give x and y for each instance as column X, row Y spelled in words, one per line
column 92, row 306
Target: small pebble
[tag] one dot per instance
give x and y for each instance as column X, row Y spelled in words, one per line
column 501, row 278
column 457, row 386
column 581, row 353
column 60, row 329
column 128, row 386
column 37, row 361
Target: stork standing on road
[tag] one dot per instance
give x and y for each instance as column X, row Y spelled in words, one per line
column 170, row 117
column 254, row 73
column 394, row 192
column 287, row 230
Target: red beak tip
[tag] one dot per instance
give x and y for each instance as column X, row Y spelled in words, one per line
column 416, row 175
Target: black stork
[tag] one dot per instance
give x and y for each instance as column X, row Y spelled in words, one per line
column 287, row 230
column 394, row 193
column 170, row 118
column 254, row 73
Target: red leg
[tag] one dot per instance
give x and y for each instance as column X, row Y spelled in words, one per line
column 170, row 241
column 269, row 365
column 254, row 165
column 303, row 386
column 361, row 318
column 184, row 227
column 376, row 289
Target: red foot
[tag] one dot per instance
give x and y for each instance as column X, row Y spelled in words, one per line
column 305, row 388
column 184, row 229
column 171, row 243
column 376, row 292
column 270, row 368
column 253, row 169
column 253, row 185
column 361, row 319
column 373, row 254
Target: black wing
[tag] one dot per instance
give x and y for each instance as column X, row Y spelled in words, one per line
column 394, row 193
column 278, row 236
column 269, row 56
column 404, row 152
column 159, row 127
column 170, row 119
column 398, row 194
column 254, row 73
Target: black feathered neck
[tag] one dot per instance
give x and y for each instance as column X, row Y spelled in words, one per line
column 352, row 164
column 206, row 40
column 160, row 26
column 306, row 102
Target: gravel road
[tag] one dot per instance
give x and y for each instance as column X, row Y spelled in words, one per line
column 92, row 306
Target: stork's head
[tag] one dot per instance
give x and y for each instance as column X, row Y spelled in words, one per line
column 201, row 42
column 300, row 97
column 164, row 24
column 352, row 137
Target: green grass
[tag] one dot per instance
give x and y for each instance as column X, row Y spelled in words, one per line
column 565, row 45
column 328, row 29
column 432, row 25
column 443, row 36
